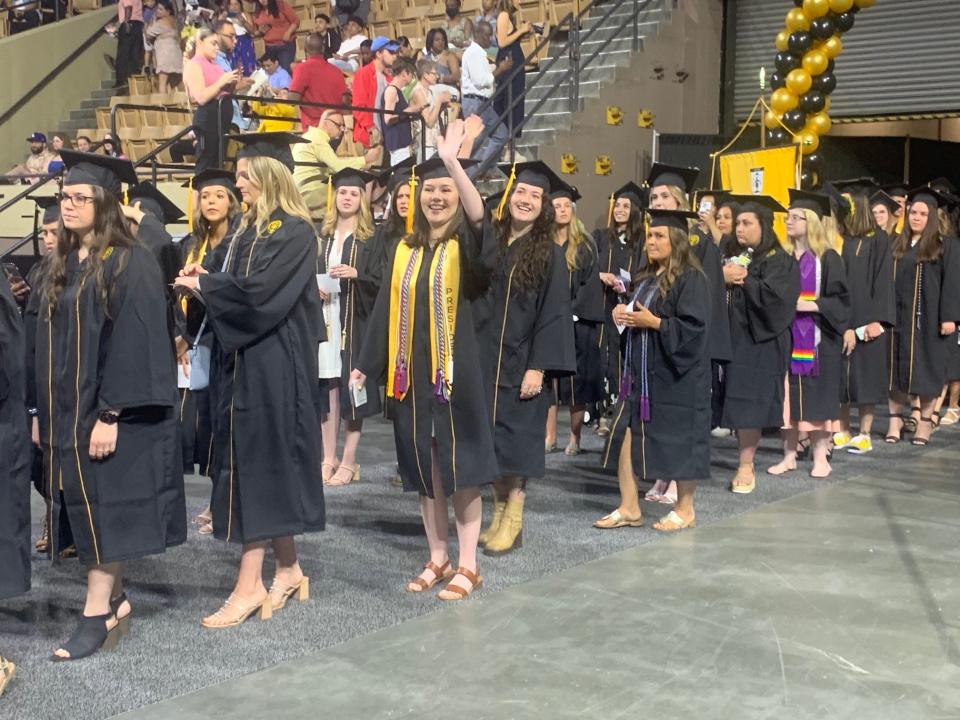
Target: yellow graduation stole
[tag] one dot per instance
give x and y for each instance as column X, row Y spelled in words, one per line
column 194, row 256
column 444, row 288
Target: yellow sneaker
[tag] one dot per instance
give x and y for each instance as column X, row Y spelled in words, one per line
column 860, row 445
column 841, row 440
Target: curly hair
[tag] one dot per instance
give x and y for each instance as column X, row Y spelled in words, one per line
column 533, row 261
column 109, row 231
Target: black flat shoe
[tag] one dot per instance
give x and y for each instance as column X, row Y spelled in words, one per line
column 90, row 636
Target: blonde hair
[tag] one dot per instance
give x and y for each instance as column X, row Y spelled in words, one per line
column 819, row 238
column 945, row 223
column 365, row 226
column 677, row 193
column 576, row 235
column 277, row 192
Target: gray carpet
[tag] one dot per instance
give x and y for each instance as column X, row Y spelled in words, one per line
column 358, row 568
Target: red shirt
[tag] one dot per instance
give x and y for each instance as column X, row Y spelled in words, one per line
column 278, row 25
column 316, row 80
column 364, row 95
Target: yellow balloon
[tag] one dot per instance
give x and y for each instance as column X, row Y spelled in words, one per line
column 808, row 141
column 815, row 8
column 841, row 6
column 796, row 20
column 799, row 81
column 771, row 121
column 819, row 123
column 783, row 40
column 783, row 100
column 815, row 62
column 866, row 3
column 827, row 103
column 833, row 47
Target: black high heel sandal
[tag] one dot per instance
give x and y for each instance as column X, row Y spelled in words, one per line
column 90, row 636
column 919, row 441
column 122, row 622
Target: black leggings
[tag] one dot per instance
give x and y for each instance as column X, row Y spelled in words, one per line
column 213, row 127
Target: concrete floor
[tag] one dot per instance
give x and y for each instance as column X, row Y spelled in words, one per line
column 839, row 603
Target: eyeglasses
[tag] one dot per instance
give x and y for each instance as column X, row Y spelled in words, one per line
column 78, row 201
column 225, row 35
column 342, row 125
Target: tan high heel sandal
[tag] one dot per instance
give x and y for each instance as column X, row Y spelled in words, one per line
column 352, row 474
column 280, row 594
column 323, row 466
column 235, row 611
column 7, row 672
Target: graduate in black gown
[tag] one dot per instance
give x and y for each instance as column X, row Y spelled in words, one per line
column 817, row 331
column 526, row 327
column 428, row 352
column 151, row 211
column 586, row 299
column 884, row 209
column 869, row 268
column 397, row 181
column 216, row 215
column 662, row 421
column 106, row 397
column 619, row 246
column 926, row 271
column 722, row 229
column 264, row 310
column 14, row 461
column 763, row 284
column 349, row 256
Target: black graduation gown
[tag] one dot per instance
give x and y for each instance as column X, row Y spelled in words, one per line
column 266, row 319
column 675, row 443
column 131, row 504
column 31, row 312
column 586, row 301
column 816, row 398
column 707, row 252
column 953, row 349
column 154, row 236
column 460, row 428
column 14, row 452
column 384, row 243
column 356, row 303
column 927, row 293
column 520, row 330
column 761, row 311
column 614, row 255
column 869, row 270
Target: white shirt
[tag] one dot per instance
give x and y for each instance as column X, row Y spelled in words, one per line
column 476, row 77
column 349, row 45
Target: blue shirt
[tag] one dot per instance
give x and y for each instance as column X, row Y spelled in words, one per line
column 224, row 62
column 279, row 79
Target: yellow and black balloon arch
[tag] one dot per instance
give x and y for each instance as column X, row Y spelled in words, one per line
column 807, row 48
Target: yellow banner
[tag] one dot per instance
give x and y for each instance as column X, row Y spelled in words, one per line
column 762, row 172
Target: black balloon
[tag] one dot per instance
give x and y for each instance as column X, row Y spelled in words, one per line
column 822, row 28
column 786, row 62
column 844, row 21
column 825, row 82
column 777, row 80
column 809, row 180
column 798, row 3
column 794, row 119
column 813, row 101
column 777, row 136
column 799, row 42
column 830, row 66
column 813, row 161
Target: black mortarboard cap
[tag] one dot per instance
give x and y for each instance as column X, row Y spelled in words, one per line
column 632, row 192
column 392, row 176
column 154, row 202
column 943, row 185
column 929, row 196
column 100, row 171
column 567, row 191
column 536, row 173
column 493, row 201
column 681, row 177
column 839, row 203
column 765, row 202
column 50, row 205
column 895, row 189
column 679, row 219
column 816, row 203
column 856, row 186
column 275, row 145
column 351, row 177
column 882, row 198
column 434, row 169
column 211, row 177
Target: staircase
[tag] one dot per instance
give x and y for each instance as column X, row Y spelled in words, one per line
column 614, row 36
column 85, row 117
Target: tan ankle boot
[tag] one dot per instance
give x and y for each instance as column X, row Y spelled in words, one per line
column 498, row 508
column 509, row 537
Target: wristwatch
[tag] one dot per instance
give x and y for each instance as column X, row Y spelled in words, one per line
column 108, row 417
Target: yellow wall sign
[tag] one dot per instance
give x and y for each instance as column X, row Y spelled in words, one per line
column 614, row 115
column 762, row 172
column 603, row 165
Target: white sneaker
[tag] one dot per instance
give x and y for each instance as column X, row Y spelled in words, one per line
column 860, row 445
column 719, row 432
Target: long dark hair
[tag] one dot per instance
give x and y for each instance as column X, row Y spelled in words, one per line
column 930, row 244
column 634, row 229
column 533, row 261
column 395, row 224
column 681, row 259
column 109, row 231
column 273, row 8
column 860, row 221
column 428, row 43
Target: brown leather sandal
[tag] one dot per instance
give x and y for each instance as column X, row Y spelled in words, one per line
column 419, row 585
column 461, row 592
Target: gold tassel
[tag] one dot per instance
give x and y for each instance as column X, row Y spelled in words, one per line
column 329, row 192
column 411, row 204
column 190, row 204
column 610, row 210
column 126, row 199
column 506, row 190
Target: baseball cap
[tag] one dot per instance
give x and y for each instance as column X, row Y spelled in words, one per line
column 384, row 43
column 37, row 137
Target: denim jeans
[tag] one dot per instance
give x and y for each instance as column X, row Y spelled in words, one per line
column 497, row 139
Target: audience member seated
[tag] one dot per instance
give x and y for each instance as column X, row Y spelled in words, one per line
column 278, row 77
column 164, row 35
column 458, row 27
column 329, row 36
column 347, row 57
column 111, row 146
column 447, row 62
column 83, row 143
column 406, row 49
column 489, row 15
column 56, row 162
column 277, row 24
column 317, row 81
column 320, row 151
column 36, row 162
column 369, row 82
column 272, row 114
